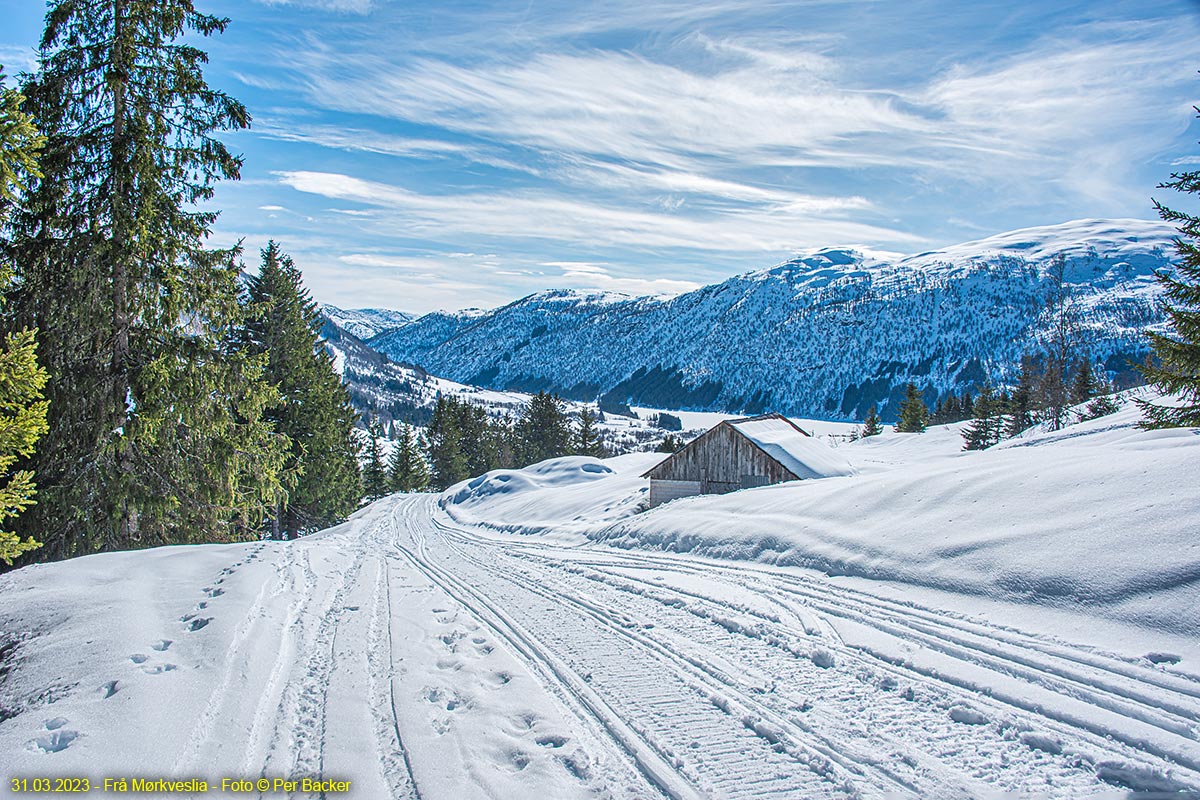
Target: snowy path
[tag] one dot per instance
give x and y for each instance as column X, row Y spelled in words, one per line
column 423, row 659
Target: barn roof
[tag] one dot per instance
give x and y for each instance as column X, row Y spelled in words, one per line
column 803, row 455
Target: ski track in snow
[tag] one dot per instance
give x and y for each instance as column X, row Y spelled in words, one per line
column 772, row 702
column 535, row 668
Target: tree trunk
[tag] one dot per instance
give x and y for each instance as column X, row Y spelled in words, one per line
column 120, row 165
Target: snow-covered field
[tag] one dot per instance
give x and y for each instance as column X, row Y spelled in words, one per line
column 1020, row 622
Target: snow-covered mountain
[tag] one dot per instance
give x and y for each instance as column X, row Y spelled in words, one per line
column 826, row 334
column 405, row 393
column 366, row 322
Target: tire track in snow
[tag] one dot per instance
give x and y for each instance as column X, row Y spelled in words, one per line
column 571, row 687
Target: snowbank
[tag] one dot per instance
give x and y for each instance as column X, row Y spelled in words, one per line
column 562, row 498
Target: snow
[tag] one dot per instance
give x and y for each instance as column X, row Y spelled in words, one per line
column 803, row 455
column 562, row 498
column 1017, row 622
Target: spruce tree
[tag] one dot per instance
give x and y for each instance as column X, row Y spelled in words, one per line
column 1019, row 411
column 157, row 431
column 543, row 429
column 1085, row 384
column 374, row 470
column 871, row 425
column 913, row 413
column 670, row 444
column 284, row 325
column 444, row 444
column 1178, row 350
column 407, row 471
column 22, row 407
column 587, row 438
column 988, row 423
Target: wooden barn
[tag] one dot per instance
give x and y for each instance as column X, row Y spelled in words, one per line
column 742, row 454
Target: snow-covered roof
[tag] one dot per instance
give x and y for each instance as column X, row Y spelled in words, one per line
column 805, row 456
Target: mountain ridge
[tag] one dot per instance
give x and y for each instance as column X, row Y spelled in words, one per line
column 826, row 333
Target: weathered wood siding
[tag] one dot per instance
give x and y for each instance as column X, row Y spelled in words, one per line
column 664, row 491
column 722, row 460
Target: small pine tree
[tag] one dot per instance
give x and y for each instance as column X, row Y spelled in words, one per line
column 913, row 413
column 587, row 438
column 1085, row 384
column 1178, row 351
column 871, row 425
column 1020, row 404
column 444, row 444
column 407, row 471
column 374, row 472
column 543, row 429
column 987, row 425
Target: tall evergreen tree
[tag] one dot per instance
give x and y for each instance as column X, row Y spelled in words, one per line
column 314, row 411
column 22, row 407
column 407, row 471
column 157, row 429
column 913, row 413
column 374, row 470
column 871, row 425
column 587, row 438
column 444, row 444
column 1178, row 350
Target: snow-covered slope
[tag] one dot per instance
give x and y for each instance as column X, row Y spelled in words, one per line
column 826, row 334
column 366, row 322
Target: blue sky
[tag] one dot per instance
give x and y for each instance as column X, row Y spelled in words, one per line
column 451, row 154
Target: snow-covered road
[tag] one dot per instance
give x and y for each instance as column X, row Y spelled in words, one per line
column 418, row 657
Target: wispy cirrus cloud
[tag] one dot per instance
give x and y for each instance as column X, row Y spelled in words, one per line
column 645, row 145
column 549, row 216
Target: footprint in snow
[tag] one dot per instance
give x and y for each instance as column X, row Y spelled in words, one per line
column 57, row 737
column 162, row 644
column 109, row 689
column 159, row 669
column 518, row 760
column 213, row 592
column 498, row 679
column 198, row 623
column 139, row 658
